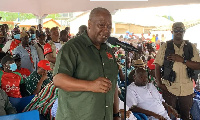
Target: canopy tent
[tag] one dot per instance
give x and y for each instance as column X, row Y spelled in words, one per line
column 43, row 7
column 192, row 34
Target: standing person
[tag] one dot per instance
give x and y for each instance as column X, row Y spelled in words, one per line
column 47, row 31
column 86, row 73
column 28, row 53
column 64, row 36
column 81, row 30
column 12, row 44
column 40, row 45
column 178, row 58
column 52, row 47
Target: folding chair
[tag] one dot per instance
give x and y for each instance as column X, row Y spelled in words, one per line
column 20, row 103
column 30, row 115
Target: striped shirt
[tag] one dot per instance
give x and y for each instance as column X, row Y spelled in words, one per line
column 43, row 101
column 33, row 79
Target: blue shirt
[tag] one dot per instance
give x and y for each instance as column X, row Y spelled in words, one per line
column 25, row 57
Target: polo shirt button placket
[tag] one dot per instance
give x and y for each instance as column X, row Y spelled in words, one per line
column 103, row 64
column 106, row 106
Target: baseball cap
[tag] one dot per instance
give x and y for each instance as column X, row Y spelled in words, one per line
column 45, row 64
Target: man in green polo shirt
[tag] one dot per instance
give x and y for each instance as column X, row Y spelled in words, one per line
column 86, row 73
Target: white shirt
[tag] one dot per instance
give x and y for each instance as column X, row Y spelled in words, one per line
column 58, row 46
column 146, row 97
column 121, row 106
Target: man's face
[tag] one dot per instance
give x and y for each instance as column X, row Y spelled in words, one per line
column 64, row 37
column 25, row 40
column 40, row 27
column 47, row 30
column 100, row 28
column 178, row 31
column 141, row 77
column 55, row 34
column 42, row 38
column 7, row 65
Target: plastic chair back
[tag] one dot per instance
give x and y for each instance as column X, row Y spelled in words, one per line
column 20, row 103
column 30, row 115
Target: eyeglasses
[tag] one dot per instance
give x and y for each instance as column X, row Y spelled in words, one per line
column 181, row 31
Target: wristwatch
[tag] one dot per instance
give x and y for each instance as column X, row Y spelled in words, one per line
column 184, row 61
column 117, row 114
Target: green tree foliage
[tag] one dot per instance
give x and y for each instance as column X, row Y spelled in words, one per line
column 169, row 17
column 10, row 16
column 53, row 16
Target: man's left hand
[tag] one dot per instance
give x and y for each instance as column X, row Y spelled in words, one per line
column 175, row 58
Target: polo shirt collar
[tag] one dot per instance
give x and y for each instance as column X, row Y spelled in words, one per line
column 88, row 41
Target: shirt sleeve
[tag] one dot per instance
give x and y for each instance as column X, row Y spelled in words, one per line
column 47, row 48
column 8, row 106
column 66, row 61
column 196, row 57
column 30, row 85
column 160, row 55
column 22, row 80
column 131, row 99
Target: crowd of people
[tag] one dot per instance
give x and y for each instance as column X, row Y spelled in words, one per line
column 83, row 77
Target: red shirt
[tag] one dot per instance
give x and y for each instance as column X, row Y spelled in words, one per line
column 24, row 72
column 14, row 44
column 10, row 83
column 47, row 48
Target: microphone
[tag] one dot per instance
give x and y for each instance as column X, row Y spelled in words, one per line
column 125, row 46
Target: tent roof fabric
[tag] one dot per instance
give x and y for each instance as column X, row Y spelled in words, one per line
column 43, row 7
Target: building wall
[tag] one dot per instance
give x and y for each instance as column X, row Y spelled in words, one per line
column 75, row 24
column 136, row 29
column 50, row 24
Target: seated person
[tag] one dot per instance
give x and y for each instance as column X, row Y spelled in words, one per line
column 23, row 71
column 143, row 97
column 43, row 101
column 37, row 80
column 6, row 107
column 9, row 80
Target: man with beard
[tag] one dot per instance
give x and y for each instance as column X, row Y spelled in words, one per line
column 86, row 73
column 178, row 59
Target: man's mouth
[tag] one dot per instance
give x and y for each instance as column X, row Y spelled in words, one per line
column 104, row 36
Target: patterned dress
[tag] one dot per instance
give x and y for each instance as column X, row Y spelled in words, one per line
column 43, row 101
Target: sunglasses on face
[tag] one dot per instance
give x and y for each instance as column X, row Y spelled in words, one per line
column 181, row 31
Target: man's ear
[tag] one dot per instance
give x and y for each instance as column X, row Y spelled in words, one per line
column 89, row 23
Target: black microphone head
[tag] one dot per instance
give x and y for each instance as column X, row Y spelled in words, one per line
column 112, row 40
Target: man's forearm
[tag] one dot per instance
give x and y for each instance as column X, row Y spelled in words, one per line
column 69, row 83
column 140, row 110
column 116, row 101
column 50, row 58
column 37, row 90
column 193, row 65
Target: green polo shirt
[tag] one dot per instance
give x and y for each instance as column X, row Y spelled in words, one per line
column 80, row 59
